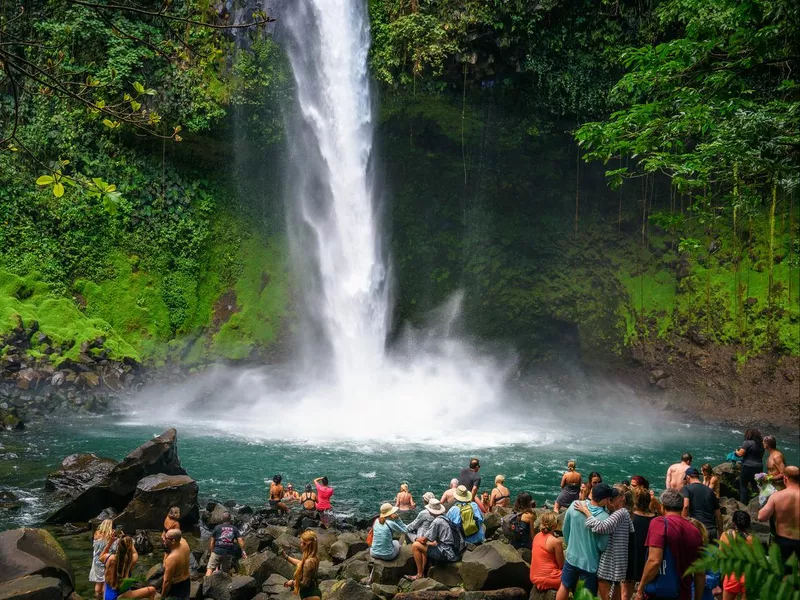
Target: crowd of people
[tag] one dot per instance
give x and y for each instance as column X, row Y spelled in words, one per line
column 621, row 540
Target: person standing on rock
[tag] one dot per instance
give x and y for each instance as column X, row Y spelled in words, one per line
column 583, row 545
column 176, row 583
column 466, row 514
column 776, row 463
column 308, row 499
column 570, row 488
column 700, row 502
column 586, row 488
column 222, row 543
column 324, row 493
column 304, row 581
column 469, row 477
column 172, row 521
column 500, row 494
column 752, row 455
column 103, row 538
column 785, row 506
column 683, row 541
column 676, row 474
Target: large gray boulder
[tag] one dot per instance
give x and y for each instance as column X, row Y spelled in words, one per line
column 77, row 473
column 26, row 552
column 392, row 571
column 492, row 566
column 117, row 488
column 347, row 589
column 263, row 564
column 347, row 545
column 728, row 473
column 537, row 595
column 154, row 496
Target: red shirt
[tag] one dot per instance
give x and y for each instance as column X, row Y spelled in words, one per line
column 324, row 494
column 685, row 543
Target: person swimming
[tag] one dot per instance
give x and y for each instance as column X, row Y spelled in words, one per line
column 404, row 500
column 570, row 487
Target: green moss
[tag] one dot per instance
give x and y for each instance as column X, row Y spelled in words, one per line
column 59, row 318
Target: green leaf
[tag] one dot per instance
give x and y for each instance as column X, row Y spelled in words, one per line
column 44, row 180
column 58, row 190
column 138, row 87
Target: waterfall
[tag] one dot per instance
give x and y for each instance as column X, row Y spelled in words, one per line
column 332, row 207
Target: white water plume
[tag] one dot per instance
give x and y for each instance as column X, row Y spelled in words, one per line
column 349, row 382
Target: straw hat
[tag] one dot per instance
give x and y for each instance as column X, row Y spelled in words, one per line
column 435, row 507
column 462, row 494
column 387, row 510
column 427, row 496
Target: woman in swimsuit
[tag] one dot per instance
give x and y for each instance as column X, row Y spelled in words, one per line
column 304, row 581
column 276, row 495
column 308, row 499
column 710, row 479
column 171, row 522
column 404, row 501
column 291, row 494
column 570, row 487
column 500, row 494
column 118, row 569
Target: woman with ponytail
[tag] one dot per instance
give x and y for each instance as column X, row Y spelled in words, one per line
column 118, row 570
column 304, row 581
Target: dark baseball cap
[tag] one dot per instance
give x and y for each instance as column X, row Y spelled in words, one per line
column 603, row 491
column 692, row 472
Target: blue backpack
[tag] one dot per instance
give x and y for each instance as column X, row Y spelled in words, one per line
column 667, row 583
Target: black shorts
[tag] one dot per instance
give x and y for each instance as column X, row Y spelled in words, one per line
column 181, row 590
column 787, row 546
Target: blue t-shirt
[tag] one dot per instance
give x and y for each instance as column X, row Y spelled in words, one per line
column 454, row 516
column 382, row 536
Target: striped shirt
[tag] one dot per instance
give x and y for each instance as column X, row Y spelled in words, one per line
column 614, row 561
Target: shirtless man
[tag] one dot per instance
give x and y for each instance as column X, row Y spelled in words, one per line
column 176, row 567
column 785, row 506
column 447, row 498
column 775, row 461
column 677, row 473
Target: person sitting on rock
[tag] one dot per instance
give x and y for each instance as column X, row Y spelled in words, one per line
column 118, row 570
column 443, row 544
column 484, row 502
column 466, row 514
column 222, row 543
column 419, row 526
column 570, row 487
column 291, row 494
column 524, row 506
column 404, row 500
column 176, row 583
column 172, row 521
column 276, row 495
column 447, row 498
column 308, row 499
column 384, row 546
column 500, row 495
column 547, row 555
column 304, row 581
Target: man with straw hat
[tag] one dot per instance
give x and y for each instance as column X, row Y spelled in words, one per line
column 466, row 514
column 384, row 546
column 443, row 542
column 419, row 526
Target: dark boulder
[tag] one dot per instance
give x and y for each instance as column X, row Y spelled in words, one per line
column 350, row 590
column 25, row 552
column 492, row 566
column 116, row 490
column 392, row 571
column 77, row 473
column 155, row 495
column 217, row 587
column 347, row 545
column 33, row 587
column 243, row 587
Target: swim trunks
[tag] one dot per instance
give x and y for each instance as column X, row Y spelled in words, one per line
column 181, row 590
column 787, row 546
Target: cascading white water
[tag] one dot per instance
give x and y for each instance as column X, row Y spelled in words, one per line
column 349, row 383
column 332, row 197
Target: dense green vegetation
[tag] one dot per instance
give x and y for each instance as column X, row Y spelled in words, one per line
column 156, row 142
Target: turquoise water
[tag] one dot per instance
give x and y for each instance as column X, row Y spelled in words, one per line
column 366, row 473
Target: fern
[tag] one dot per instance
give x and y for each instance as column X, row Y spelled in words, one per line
column 763, row 571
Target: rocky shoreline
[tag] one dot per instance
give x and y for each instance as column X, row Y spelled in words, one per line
column 139, row 490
